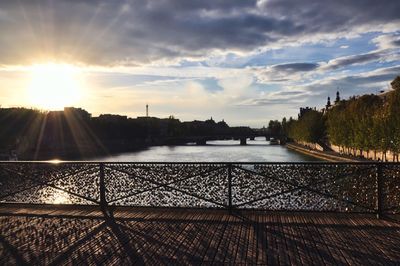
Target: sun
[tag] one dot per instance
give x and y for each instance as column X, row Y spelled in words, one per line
column 54, row 86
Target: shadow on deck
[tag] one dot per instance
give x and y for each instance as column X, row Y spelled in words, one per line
column 86, row 235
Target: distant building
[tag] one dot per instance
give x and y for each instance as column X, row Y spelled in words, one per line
column 210, row 121
column 222, row 123
column 328, row 103
column 337, row 100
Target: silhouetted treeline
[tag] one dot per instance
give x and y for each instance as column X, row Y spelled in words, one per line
column 367, row 123
column 74, row 133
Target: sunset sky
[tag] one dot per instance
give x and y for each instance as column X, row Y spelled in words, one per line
column 243, row 61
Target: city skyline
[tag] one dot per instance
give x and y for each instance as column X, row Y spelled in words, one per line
column 243, row 61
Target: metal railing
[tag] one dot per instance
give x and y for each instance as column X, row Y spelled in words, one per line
column 304, row 186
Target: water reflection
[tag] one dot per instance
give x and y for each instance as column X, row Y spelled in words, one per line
column 258, row 150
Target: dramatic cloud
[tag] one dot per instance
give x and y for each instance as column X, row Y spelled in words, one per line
column 249, row 61
column 137, row 32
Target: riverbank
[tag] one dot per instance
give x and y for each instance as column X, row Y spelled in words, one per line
column 323, row 155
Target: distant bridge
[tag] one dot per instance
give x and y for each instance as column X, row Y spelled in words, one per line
column 202, row 140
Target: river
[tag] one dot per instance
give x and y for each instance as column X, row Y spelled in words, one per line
column 258, row 150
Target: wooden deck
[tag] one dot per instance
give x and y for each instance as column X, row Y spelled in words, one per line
column 71, row 235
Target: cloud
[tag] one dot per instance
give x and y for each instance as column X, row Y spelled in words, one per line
column 385, row 55
column 353, row 60
column 387, row 41
column 126, row 32
column 282, row 73
column 372, row 79
column 315, row 93
column 296, row 72
column 285, row 98
column 295, row 67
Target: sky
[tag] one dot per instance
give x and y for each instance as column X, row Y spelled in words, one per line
column 242, row 61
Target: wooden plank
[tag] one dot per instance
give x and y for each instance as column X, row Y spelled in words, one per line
column 294, row 241
column 165, row 235
column 302, row 247
column 373, row 240
column 197, row 236
column 213, row 225
column 223, row 245
column 186, row 238
column 252, row 252
column 338, row 240
column 272, row 246
column 282, row 245
column 261, row 240
column 336, row 256
column 191, row 252
column 215, row 239
column 311, row 239
column 230, row 241
column 237, row 244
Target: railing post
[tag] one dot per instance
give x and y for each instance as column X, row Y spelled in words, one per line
column 103, row 201
column 230, row 187
column 379, row 182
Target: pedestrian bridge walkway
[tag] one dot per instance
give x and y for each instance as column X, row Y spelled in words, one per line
column 57, row 234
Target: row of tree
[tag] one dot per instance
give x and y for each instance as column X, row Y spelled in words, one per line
column 365, row 123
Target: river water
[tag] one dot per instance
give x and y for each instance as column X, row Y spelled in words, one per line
column 258, row 150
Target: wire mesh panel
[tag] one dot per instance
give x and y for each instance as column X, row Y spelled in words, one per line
column 168, row 185
column 302, row 186
column 343, row 187
column 49, row 183
column 391, row 189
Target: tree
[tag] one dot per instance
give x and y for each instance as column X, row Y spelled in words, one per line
column 274, row 128
column 310, row 127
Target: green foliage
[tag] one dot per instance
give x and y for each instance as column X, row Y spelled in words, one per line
column 310, row 127
column 396, row 83
column 368, row 122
